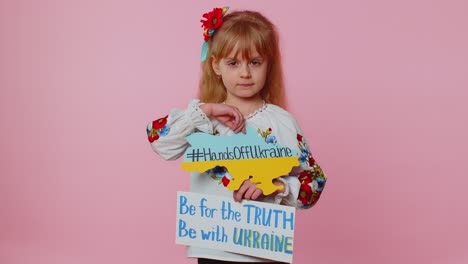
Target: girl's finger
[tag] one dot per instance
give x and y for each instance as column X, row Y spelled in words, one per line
column 239, row 194
column 241, row 123
column 239, row 116
column 238, row 128
column 230, row 124
column 257, row 194
column 250, row 192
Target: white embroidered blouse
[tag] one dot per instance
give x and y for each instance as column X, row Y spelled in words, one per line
column 303, row 185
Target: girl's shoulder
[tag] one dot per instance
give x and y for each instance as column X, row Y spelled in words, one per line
column 279, row 112
column 273, row 115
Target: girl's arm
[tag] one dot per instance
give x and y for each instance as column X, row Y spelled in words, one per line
column 309, row 177
column 305, row 183
column 167, row 135
column 228, row 115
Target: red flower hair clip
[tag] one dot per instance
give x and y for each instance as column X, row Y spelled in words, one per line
column 212, row 21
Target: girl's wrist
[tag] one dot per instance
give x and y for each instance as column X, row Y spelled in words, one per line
column 279, row 183
column 284, row 192
column 206, row 108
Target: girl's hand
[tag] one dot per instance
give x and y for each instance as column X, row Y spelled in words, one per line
column 249, row 191
column 228, row 115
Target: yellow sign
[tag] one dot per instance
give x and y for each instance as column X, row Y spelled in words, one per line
column 245, row 156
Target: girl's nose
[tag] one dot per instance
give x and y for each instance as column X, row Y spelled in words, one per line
column 245, row 70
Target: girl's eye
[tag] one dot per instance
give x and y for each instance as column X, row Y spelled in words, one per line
column 256, row 62
column 232, row 63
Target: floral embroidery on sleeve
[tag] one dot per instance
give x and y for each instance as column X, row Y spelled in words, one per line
column 312, row 180
column 312, row 184
column 305, row 156
column 157, row 128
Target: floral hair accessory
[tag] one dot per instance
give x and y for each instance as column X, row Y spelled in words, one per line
column 213, row 20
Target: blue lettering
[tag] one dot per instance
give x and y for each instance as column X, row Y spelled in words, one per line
column 237, row 239
column 184, row 208
column 183, row 231
column 290, row 220
column 288, row 245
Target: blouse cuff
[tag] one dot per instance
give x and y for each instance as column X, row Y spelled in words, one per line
column 198, row 118
column 291, row 191
column 281, row 195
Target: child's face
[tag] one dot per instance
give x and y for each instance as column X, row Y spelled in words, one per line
column 242, row 78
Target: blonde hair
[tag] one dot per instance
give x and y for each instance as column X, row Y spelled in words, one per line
column 244, row 28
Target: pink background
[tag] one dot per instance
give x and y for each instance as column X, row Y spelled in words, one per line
column 379, row 88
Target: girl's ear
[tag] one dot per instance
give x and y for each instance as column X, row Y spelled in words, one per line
column 215, row 65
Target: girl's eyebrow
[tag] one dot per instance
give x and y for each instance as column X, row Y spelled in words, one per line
column 258, row 57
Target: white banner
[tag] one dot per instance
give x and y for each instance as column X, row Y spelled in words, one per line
column 252, row 228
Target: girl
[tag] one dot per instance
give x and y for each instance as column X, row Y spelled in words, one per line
column 241, row 85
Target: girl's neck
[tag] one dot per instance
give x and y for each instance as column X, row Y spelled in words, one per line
column 246, row 106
